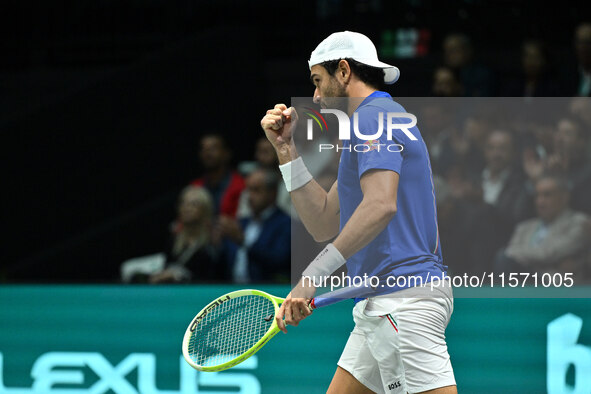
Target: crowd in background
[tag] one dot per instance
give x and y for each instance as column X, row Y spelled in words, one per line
column 513, row 190
column 512, row 179
column 541, row 75
column 231, row 226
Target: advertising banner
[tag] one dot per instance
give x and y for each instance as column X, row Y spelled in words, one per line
column 127, row 339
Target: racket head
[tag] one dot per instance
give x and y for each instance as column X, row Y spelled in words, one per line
column 230, row 329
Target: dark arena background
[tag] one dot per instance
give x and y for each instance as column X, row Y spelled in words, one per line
column 109, row 109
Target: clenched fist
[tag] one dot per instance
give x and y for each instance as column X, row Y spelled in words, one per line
column 278, row 125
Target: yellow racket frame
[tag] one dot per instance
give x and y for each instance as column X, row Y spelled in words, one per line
column 271, row 332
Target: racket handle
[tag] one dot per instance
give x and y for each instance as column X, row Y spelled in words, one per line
column 338, row 295
column 319, row 302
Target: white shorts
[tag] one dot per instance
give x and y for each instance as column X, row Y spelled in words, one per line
column 398, row 343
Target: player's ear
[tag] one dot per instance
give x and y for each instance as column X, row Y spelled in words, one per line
column 344, row 71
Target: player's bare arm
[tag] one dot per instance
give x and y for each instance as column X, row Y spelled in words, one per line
column 375, row 211
column 318, row 209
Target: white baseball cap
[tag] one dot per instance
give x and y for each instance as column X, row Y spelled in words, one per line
column 356, row 46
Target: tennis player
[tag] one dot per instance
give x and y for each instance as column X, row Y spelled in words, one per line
column 382, row 212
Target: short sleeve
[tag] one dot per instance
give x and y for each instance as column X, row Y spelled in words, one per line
column 380, row 153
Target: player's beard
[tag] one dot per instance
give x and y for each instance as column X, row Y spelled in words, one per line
column 334, row 96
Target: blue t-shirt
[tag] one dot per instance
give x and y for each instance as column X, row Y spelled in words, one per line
column 409, row 245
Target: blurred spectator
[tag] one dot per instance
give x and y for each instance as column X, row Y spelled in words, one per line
column 259, row 247
column 476, row 131
column 265, row 157
column 577, row 76
column 538, row 137
column 224, row 184
column 569, row 156
column 458, row 55
column 438, row 127
column 503, row 186
column 468, row 147
column 580, row 107
column 190, row 255
column 535, row 80
column 583, row 52
column 555, row 241
column 466, row 228
column 265, row 154
column 502, row 181
column 446, row 83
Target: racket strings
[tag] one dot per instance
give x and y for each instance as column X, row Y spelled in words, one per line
column 230, row 329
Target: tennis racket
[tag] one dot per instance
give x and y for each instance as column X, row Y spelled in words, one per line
column 236, row 325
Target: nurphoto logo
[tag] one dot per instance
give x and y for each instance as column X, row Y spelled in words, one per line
column 371, row 140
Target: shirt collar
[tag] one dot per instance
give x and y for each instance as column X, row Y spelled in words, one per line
column 373, row 96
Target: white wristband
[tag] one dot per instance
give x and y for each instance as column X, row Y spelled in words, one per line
column 295, row 174
column 327, row 262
